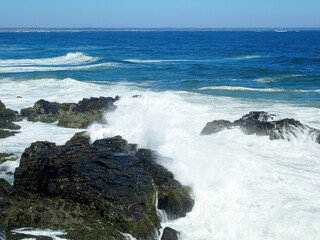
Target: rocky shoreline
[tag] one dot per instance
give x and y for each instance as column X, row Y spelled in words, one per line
column 91, row 191
column 104, row 189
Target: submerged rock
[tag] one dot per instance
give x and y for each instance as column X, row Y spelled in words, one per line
column 71, row 115
column 92, row 191
column 262, row 124
column 170, row 234
column 7, row 117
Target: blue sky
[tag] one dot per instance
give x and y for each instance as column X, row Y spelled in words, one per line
column 160, row 13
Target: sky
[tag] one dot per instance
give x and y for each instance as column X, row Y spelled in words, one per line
column 160, row 13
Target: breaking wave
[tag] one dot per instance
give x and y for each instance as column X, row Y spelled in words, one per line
column 244, row 57
column 75, row 58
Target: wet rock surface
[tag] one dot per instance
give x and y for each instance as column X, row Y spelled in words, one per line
column 216, row 126
column 71, row 115
column 263, row 124
column 7, row 157
column 92, row 191
column 170, row 234
column 7, row 119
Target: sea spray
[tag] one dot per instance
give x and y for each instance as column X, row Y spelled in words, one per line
column 245, row 186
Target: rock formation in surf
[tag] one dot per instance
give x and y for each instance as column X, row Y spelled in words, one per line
column 71, row 115
column 7, row 119
column 92, row 191
column 262, row 124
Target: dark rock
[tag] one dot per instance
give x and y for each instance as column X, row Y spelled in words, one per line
column 2, row 232
column 6, row 133
column 86, row 112
column 7, row 116
column 42, row 111
column 170, row 234
column 79, row 138
column 263, row 124
column 116, row 144
column 71, row 115
column 136, row 96
column 258, row 123
column 174, row 198
column 257, row 116
column 4, row 183
column 92, row 191
column 216, row 126
column 9, row 125
column 7, row 157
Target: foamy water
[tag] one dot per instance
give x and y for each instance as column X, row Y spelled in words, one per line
column 72, row 61
column 245, row 187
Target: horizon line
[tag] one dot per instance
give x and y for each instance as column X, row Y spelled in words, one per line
column 161, row 28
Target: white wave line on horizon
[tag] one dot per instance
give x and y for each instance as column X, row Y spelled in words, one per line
column 244, row 57
column 71, row 58
column 237, row 88
column 51, row 69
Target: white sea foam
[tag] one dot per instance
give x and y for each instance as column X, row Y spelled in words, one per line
column 237, row 88
column 69, row 62
column 72, row 58
column 18, row 69
column 245, row 186
column 277, row 78
column 54, row 235
column 244, row 57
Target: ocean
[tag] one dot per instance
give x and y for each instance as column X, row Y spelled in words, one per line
column 244, row 186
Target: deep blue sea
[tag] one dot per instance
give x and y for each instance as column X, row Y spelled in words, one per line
column 282, row 66
column 244, row 186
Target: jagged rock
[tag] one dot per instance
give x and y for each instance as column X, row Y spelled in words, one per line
column 92, row 191
column 216, row 126
column 174, row 198
column 2, row 232
column 257, row 123
column 79, row 138
column 116, row 144
column 9, row 125
column 42, row 111
column 71, row 115
column 7, row 116
column 6, row 133
column 262, row 124
column 7, row 157
column 170, row 234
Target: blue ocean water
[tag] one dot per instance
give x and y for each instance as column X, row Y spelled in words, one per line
column 244, row 186
column 283, row 66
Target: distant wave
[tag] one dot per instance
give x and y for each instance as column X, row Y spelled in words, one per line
column 161, row 61
column 68, row 62
column 238, row 88
column 20, row 69
column 277, row 78
column 244, row 57
column 75, row 58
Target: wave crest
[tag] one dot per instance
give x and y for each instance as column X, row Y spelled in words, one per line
column 72, row 58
